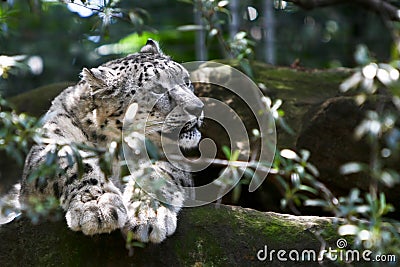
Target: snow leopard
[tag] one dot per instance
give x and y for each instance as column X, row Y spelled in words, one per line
column 91, row 113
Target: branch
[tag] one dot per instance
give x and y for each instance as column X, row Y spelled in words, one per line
column 382, row 7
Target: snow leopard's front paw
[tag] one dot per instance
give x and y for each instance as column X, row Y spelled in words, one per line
column 94, row 211
column 150, row 221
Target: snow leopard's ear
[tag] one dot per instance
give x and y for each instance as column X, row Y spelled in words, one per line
column 98, row 77
column 151, row 47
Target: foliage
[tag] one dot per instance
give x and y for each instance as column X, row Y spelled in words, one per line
column 99, row 25
column 365, row 215
column 108, row 12
column 16, row 131
column 215, row 17
column 380, row 128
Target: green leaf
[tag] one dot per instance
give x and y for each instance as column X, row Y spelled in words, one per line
column 192, row 27
column 308, row 189
column 187, row 1
column 362, row 55
column 51, row 157
column 78, row 160
column 246, row 67
column 312, row 169
column 151, row 149
column 227, row 152
column 283, row 183
column 237, row 191
column 354, row 196
column 235, row 155
column 249, row 174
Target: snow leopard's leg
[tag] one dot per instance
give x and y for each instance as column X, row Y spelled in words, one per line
column 92, row 204
column 153, row 216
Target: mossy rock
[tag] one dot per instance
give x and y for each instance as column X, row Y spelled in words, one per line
column 38, row 101
column 206, row 236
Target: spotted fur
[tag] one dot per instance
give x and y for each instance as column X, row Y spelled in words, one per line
column 92, row 113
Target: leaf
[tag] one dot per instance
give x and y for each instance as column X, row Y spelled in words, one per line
column 351, row 82
column 384, row 76
column 283, row 203
column 192, row 27
column 246, row 67
column 241, row 35
column 186, row 1
column 362, row 55
column 315, row 203
column 249, row 173
column 105, row 167
column 348, row 229
column 223, row 3
column 278, row 103
column 51, row 157
column 237, row 191
column 235, row 155
column 389, row 178
column 354, row 196
column 152, row 150
column 308, row 189
column 78, row 160
column 227, row 152
column 283, row 183
column 213, row 32
column 289, row 154
column 295, row 178
column 352, row 167
column 312, row 169
column 283, row 124
column 362, row 209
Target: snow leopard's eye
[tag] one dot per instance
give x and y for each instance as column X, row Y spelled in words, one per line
column 159, row 89
column 189, row 84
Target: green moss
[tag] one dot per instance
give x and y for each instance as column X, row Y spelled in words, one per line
column 299, row 89
column 204, row 250
column 275, row 230
column 201, row 252
column 278, row 230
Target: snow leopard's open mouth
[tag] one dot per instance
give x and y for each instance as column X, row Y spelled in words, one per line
column 187, row 136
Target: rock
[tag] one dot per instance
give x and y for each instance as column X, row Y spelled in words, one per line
column 206, row 236
column 328, row 133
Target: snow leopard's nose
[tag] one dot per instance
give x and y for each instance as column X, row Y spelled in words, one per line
column 194, row 108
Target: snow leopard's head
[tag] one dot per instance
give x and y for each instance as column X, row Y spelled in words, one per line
column 161, row 88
